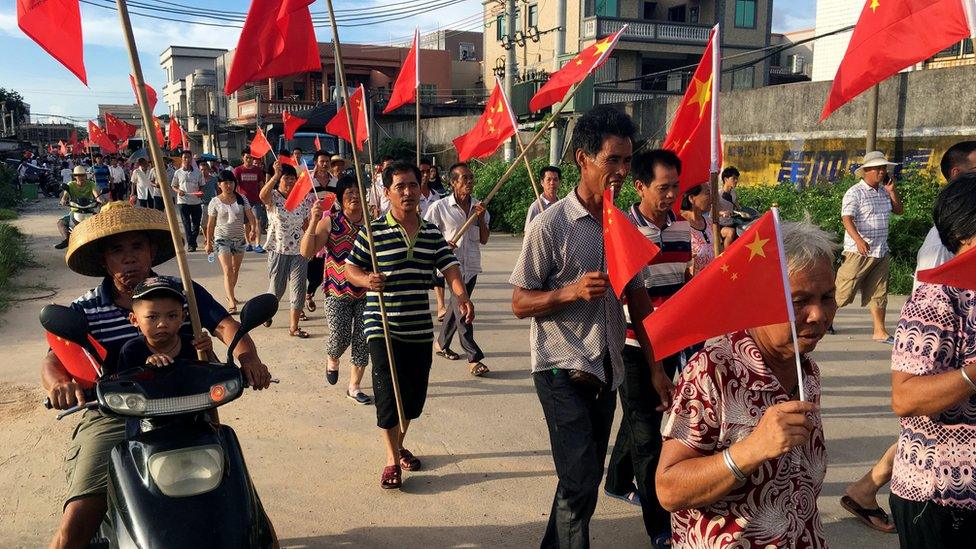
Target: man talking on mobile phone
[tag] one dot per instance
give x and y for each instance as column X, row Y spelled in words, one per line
column 865, row 211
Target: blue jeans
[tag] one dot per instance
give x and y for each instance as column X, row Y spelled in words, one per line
column 579, row 430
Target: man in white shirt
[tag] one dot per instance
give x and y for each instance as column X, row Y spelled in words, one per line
column 187, row 183
column 865, row 211
column 116, row 176
column 449, row 214
column 958, row 159
column 141, row 187
column 65, row 173
column 550, row 177
column 379, row 204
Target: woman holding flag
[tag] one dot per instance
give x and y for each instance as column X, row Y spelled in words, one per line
column 286, row 265
column 739, row 446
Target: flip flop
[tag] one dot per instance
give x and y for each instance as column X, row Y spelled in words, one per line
column 299, row 333
column 479, row 370
column 864, row 515
column 890, row 340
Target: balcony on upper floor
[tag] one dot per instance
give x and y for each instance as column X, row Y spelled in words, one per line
column 641, row 30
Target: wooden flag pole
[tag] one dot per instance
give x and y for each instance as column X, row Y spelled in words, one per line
column 528, row 167
column 340, row 72
column 514, row 164
column 161, row 176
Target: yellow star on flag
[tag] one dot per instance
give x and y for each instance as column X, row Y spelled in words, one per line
column 725, row 268
column 604, row 45
column 756, row 247
column 702, row 94
column 579, row 62
column 735, row 276
column 875, row 5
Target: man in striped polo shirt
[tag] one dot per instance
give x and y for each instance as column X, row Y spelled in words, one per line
column 408, row 250
column 638, row 446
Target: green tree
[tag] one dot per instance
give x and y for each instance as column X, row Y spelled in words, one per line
column 14, row 102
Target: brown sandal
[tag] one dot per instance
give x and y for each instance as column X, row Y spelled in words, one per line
column 391, row 478
column 409, row 462
column 479, row 370
column 299, row 333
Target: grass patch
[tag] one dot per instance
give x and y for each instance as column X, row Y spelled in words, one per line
column 14, row 256
column 7, row 215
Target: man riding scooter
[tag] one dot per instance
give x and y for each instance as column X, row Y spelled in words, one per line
column 80, row 192
column 120, row 245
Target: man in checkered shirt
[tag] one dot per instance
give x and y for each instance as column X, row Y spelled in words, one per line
column 578, row 328
column 865, row 211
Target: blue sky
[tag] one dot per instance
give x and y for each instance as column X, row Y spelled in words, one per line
column 52, row 90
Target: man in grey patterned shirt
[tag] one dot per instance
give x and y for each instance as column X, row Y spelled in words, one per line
column 578, row 329
column 865, row 210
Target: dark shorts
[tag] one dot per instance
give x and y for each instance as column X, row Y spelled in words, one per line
column 413, row 371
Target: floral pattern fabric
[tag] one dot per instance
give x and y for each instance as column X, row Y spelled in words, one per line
column 720, row 398
column 285, row 228
column 702, row 251
column 935, row 457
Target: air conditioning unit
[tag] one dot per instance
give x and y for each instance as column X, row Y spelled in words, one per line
column 795, row 63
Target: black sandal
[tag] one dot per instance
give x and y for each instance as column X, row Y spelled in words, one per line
column 479, row 370
column 864, row 515
column 448, row 354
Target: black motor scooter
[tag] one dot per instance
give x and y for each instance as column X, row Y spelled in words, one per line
column 178, row 479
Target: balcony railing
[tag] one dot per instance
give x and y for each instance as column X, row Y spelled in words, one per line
column 639, row 30
column 609, row 96
column 270, row 109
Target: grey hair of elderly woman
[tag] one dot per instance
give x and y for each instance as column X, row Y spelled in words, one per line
column 806, row 244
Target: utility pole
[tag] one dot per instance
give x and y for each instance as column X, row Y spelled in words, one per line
column 872, row 137
column 559, row 49
column 510, row 68
column 209, row 127
column 3, row 119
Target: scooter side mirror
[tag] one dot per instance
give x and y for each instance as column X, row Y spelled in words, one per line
column 65, row 323
column 258, row 310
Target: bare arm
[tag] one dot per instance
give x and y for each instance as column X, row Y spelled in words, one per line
column 256, row 373
column 316, row 235
column 897, row 206
column 456, row 283
column 533, row 303
column 483, row 232
column 60, row 387
column 265, row 193
column 639, row 305
column 931, row 395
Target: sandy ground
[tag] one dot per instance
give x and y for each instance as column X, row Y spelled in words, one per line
column 316, row 456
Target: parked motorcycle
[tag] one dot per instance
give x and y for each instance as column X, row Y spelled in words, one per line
column 80, row 210
column 178, row 479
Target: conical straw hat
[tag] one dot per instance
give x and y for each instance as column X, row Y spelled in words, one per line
column 84, row 255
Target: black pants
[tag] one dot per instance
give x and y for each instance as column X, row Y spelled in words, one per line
column 579, row 430
column 637, row 449
column 926, row 525
column 157, row 202
column 413, row 373
column 316, row 273
column 453, row 323
column 190, row 216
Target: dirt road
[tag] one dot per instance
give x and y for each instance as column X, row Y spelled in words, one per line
column 316, row 457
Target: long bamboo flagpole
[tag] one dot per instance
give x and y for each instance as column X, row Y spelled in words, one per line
column 416, row 59
column 518, row 140
column 161, row 176
column 515, row 163
column 789, row 303
column 340, row 72
column 715, row 138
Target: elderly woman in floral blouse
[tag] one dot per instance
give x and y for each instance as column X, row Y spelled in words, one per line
column 933, row 390
column 743, row 461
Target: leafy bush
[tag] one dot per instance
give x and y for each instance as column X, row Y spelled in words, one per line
column 9, row 193
column 918, row 189
column 14, row 256
column 7, row 215
column 398, row 148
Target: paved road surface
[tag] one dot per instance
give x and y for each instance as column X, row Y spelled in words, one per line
column 316, row 456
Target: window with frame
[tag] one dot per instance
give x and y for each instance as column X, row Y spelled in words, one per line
column 428, row 93
column 607, row 72
column 533, row 15
column 467, row 52
column 606, row 8
column 745, row 14
column 650, row 10
column 500, row 32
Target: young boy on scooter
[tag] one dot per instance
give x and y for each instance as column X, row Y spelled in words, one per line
column 158, row 310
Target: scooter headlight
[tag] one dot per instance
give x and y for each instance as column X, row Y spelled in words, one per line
column 126, row 403
column 187, row 471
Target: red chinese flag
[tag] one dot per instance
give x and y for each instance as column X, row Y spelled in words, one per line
column 175, row 134
column 627, row 250
column 694, row 134
column 158, row 130
column 495, row 126
column 56, row 26
column 286, row 158
column 339, row 126
column 745, row 287
column 407, row 82
column 277, row 40
column 62, row 148
column 292, row 123
column 298, row 193
column 318, row 144
column 100, row 138
column 73, row 140
column 119, row 129
column 892, row 35
column 574, row 71
column 260, row 145
column 150, row 93
column 959, row 272
column 76, row 360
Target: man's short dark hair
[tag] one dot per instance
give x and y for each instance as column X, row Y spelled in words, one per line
column 426, row 161
column 643, row 164
column 955, row 211
column 450, row 171
column 553, row 169
column 321, row 152
column 601, row 122
column 729, row 172
column 399, row 166
column 97, row 156
column 955, row 156
column 386, row 158
column 288, row 169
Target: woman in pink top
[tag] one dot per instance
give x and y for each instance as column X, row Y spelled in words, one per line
column 695, row 205
column 933, row 390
